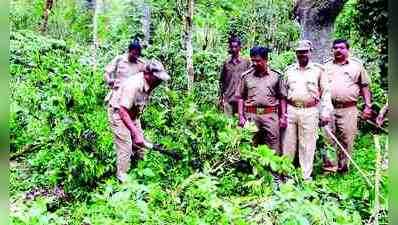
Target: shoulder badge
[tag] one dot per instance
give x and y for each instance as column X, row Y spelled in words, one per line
column 247, row 72
column 319, row 66
column 356, row 60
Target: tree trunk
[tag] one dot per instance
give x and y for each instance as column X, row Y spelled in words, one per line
column 47, row 8
column 95, row 33
column 146, row 23
column 188, row 42
column 316, row 19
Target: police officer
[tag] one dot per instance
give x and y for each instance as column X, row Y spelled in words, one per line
column 259, row 99
column 122, row 67
column 305, row 103
column 230, row 76
column 348, row 80
column 124, row 115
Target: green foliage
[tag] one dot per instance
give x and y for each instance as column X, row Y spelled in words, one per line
column 68, row 19
column 54, row 114
column 353, row 23
column 60, row 138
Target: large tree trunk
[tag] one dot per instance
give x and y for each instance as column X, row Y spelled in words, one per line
column 47, row 8
column 188, row 41
column 316, row 19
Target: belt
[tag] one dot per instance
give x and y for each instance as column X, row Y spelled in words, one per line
column 262, row 109
column 340, row 105
column 301, row 104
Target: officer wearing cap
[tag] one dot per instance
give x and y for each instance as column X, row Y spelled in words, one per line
column 259, row 99
column 305, row 103
column 348, row 80
column 126, row 127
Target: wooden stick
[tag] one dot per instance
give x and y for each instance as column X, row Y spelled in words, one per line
column 364, row 175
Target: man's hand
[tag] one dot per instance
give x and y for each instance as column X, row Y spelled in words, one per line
column 242, row 121
column 367, row 113
column 138, row 139
column 324, row 121
column 379, row 120
column 283, row 122
column 221, row 103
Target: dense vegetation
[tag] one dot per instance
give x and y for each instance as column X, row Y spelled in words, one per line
column 62, row 160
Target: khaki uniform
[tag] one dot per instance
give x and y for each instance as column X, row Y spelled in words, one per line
column 118, row 70
column 134, row 96
column 304, row 86
column 261, row 92
column 345, row 81
column 230, row 82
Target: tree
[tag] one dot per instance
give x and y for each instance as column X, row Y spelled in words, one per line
column 47, row 9
column 188, row 41
column 316, row 19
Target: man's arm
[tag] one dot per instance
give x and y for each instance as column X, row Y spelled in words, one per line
column 282, row 85
column 367, row 97
column 325, row 98
column 136, row 134
column 110, row 69
column 364, row 82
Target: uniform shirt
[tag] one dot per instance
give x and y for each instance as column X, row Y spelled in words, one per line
column 119, row 69
column 346, row 80
column 257, row 90
column 230, row 77
column 306, row 85
column 134, row 94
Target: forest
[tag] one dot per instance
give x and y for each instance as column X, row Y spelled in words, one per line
column 62, row 160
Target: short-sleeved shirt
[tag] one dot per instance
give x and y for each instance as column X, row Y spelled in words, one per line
column 346, row 80
column 121, row 69
column 231, row 76
column 260, row 90
column 134, row 94
column 306, row 85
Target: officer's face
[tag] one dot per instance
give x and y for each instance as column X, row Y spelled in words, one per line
column 234, row 48
column 259, row 63
column 303, row 56
column 340, row 51
column 133, row 55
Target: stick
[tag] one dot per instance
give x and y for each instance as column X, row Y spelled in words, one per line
column 348, row 156
column 372, row 123
column 364, row 175
column 377, row 179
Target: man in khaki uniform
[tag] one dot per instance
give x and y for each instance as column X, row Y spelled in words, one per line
column 259, row 99
column 305, row 100
column 124, row 115
column 122, row 67
column 348, row 80
column 231, row 72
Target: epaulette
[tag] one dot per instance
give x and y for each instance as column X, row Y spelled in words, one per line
column 319, row 66
column 276, row 71
column 141, row 60
column 356, row 60
column 247, row 72
column 289, row 67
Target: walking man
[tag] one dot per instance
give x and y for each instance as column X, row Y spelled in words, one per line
column 124, row 115
column 305, row 103
column 258, row 99
column 348, row 80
